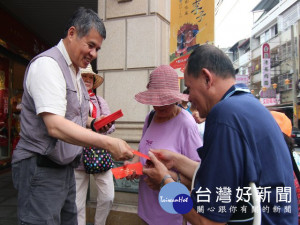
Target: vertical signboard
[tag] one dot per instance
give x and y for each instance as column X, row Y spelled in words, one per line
column 192, row 24
column 266, row 66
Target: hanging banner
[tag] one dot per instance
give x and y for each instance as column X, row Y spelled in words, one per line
column 192, row 24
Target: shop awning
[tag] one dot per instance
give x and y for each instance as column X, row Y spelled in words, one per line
column 282, row 106
column 265, row 5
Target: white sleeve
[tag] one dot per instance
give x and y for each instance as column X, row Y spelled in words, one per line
column 47, row 86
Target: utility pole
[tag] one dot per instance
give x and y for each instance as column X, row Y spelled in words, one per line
column 294, row 79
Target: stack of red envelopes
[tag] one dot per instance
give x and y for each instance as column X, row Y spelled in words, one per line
column 108, row 119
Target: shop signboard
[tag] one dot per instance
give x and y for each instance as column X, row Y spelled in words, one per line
column 192, row 23
column 269, row 97
column 266, row 66
column 268, row 101
column 269, row 93
column 242, row 79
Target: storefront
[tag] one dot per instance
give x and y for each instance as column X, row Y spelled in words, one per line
column 280, row 102
column 17, row 46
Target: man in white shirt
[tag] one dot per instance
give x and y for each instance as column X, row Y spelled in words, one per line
column 53, row 125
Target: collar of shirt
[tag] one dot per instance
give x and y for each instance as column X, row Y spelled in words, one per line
column 236, row 89
column 75, row 76
column 65, row 54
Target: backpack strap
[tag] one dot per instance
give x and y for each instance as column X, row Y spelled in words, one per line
column 151, row 115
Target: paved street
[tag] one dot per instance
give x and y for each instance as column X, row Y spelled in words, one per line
column 8, row 200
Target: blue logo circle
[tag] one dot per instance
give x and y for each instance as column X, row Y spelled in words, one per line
column 183, row 204
column 175, row 198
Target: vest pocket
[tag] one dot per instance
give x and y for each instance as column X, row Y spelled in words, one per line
column 73, row 106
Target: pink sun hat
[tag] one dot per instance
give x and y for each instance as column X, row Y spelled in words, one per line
column 163, row 88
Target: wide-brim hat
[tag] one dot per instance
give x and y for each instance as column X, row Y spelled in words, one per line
column 163, row 88
column 98, row 80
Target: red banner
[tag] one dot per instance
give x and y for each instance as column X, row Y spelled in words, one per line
column 179, row 65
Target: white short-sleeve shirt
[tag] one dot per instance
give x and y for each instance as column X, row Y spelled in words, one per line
column 47, row 86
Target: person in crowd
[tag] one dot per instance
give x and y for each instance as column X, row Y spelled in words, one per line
column 242, row 145
column 171, row 128
column 199, row 120
column 285, row 125
column 193, row 110
column 104, row 180
column 185, row 104
column 54, row 116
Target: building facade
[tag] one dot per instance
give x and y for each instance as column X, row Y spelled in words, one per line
column 272, row 76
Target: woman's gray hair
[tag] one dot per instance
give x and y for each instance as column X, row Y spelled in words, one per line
column 84, row 20
column 212, row 58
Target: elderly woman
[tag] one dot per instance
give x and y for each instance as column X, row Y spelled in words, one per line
column 103, row 180
column 171, row 128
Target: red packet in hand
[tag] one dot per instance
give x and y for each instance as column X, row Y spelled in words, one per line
column 108, row 119
column 140, row 154
column 137, row 167
column 124, row 171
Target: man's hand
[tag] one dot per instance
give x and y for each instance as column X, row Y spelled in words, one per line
column 165, row 156
column 120, row 150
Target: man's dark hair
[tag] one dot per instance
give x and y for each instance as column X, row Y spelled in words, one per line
column 289, row 141
column 212, row 58
column 84, row 20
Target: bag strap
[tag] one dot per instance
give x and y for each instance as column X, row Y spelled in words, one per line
column 98, row 103
column 151, row 115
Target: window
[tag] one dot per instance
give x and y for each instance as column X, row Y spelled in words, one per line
column 269, row 34
column 281, row 82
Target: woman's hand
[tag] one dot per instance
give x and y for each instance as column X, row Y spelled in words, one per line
column 104, row 128
column 134, row 175
column 155, row 172
column 151, row 183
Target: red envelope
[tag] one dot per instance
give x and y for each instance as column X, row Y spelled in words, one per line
column 124, row 171
column 108, row 119
column 140, row 154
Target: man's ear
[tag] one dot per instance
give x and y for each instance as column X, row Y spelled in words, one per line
column 72, row 32
column 207, row 76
